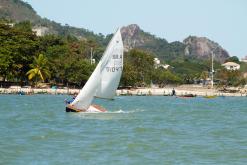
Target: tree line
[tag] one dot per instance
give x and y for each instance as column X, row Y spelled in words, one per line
column 28, row 59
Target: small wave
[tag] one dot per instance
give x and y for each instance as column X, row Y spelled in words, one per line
column 122, row 111
column 110, row 115
column 136, row 111
column 117, row 111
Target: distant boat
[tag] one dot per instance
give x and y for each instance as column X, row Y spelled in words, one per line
column 104, row 80
column 210, row 97
column 187, row 96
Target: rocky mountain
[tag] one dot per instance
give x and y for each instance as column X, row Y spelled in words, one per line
column 192, row 46
column 133, row 36
column 203, row 48
column 17, row 10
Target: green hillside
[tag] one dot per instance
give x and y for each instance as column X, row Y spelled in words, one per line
column 66, row 49
column 17, row 11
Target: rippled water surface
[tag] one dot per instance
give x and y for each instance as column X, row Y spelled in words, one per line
column 137, row 130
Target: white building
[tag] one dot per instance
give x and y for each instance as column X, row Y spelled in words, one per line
column 166, row 66
column 231, row 66
column 157, row 64
column 156, row 61
column 41, row 30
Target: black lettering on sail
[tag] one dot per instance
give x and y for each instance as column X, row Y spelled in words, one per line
column 115, row 56
column 114, row 69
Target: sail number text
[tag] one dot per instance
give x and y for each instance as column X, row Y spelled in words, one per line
column 116, row 56
column 114, row 69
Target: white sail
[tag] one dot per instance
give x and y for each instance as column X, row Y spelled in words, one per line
column 112, row 70
column 103, row 82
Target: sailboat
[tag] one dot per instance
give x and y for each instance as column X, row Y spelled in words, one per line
column 104, row 80
column 212, row 78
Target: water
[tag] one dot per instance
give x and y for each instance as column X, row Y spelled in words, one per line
column 137, row 130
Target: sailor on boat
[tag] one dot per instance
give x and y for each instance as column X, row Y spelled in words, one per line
column 71, row 100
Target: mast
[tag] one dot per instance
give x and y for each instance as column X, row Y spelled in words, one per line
column 91, row 58
column 212, row 71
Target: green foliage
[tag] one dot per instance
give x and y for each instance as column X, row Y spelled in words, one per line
column 67, row 59
column 190, row 69
column 138, row 68
column 243, row 66
column 139, row 71
column 164, row 77
column 40, row 69
column 17, row 46
column 79, row 71
column 24, row 26
column 233, row 59
column 230, row 77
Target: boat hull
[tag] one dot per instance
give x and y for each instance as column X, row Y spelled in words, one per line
column 92, row 109
column 72, row 109
column 187, row 96
column 210, row 97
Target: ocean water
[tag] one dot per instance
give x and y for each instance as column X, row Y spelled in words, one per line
column 35, row 130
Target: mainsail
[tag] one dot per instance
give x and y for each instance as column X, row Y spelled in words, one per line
column 112, row 70
column 105, row 78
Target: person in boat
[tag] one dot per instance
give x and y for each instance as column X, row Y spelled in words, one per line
column 173, row 92
column 71, row 100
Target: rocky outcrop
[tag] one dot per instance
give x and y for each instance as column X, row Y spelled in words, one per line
column 17, row 10
column 130, row 36
column 202, row 47
column 134, row 37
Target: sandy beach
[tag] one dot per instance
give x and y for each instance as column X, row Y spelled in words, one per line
column 180, row 91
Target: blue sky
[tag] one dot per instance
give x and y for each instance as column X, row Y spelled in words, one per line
column 223, row 21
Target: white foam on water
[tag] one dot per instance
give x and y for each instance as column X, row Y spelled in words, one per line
column 109, row 115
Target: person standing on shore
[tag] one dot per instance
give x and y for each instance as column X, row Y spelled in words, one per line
column 173, row 92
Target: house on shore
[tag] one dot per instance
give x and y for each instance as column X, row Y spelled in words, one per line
column 231, row 66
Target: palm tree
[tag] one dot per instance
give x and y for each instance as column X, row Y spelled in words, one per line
column 39, row 68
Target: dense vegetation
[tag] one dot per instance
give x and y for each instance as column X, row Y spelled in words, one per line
column 65, row 60
column 66, row 57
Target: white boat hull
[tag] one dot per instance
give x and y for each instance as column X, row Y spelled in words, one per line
column 92, row 109
column 95, row 109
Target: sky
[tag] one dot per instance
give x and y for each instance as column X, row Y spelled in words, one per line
column 223, row 21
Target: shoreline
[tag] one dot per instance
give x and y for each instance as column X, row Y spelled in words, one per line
column 166, row 91
column 180, row 91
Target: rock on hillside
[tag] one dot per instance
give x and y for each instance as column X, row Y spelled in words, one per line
column 202, row 47
column 17, row 10
column 196, row 47
column 134, row 37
